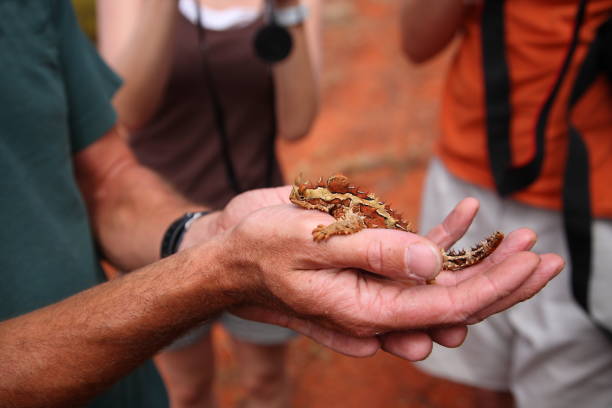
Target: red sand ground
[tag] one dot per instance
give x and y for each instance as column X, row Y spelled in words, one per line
column 377, row 125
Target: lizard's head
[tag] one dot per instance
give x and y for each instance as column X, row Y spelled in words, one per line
column 318, row 195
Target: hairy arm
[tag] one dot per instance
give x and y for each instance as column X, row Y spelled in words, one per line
column 296, row 79
column 427, row 27
column 66, row 353
column 130, row 206
column 267, row 267
column 135, row 37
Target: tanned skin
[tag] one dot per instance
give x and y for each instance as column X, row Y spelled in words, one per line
column 426, row 28
column 257, row 259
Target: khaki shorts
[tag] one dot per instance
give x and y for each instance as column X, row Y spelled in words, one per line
column 545, row 350
column 246, row 330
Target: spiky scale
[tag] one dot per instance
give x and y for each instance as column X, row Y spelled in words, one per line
column 355, row 210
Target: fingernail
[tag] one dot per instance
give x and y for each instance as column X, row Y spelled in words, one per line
column 422, row 261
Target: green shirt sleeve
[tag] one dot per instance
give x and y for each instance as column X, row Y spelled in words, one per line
column 89, row 82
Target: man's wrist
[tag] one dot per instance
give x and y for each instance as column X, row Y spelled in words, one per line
column 207, row 272
column 175, row 232
column 215, row 259
column 200, row 230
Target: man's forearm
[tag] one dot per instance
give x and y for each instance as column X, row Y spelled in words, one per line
column 74, row 349
column 428, row 26
column 130, row 205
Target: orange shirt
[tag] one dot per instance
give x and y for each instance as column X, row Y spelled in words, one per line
column 538, row 34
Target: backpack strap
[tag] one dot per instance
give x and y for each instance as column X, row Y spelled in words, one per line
column 509, row 179
column 577, row 215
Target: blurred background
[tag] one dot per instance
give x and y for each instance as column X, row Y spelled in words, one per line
column 377, row 125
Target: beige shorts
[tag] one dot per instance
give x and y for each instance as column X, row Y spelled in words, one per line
column 246, row 330
column 545, row 350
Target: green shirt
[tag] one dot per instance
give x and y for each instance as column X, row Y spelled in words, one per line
column 54, row 101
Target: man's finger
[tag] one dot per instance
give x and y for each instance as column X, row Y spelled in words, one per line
column 450, row 337
column 416, row 346
column 391, row 253
column 487, row 288
column 342, row 343
column 455, row 224
column 411, row 346
column 550, row 266
column 438, row 305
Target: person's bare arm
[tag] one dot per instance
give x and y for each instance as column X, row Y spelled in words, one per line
column 135, row 37
column 297, row 78
column 66, row 353
column 265, row 265
column 130, row 206
column 427, row 27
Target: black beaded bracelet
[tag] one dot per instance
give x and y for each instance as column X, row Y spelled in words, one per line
column 175, row 232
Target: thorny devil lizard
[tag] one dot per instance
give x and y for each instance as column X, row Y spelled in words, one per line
column 355, row 210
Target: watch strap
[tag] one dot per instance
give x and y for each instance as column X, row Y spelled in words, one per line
column 175, row 232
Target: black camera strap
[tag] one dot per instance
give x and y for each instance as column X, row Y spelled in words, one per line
column 220, row 117
column 577, row 214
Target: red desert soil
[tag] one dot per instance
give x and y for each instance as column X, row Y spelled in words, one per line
column 377, row 125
